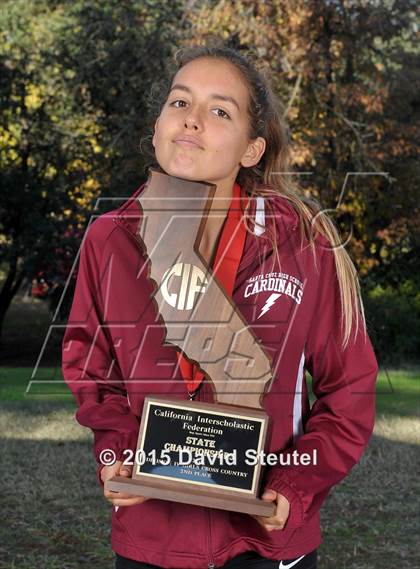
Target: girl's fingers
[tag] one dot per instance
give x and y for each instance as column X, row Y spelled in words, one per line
column 262, row 521
column 272, row 520
column 122, row 498
column 128, row 501
column 269, row 523
column 271, row 527
column 110, row 494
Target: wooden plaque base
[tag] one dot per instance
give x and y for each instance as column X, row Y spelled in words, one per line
column 194, row 496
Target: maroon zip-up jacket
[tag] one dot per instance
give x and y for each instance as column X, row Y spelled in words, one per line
column 113, row 356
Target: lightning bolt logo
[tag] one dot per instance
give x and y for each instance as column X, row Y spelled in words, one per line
column 269, row 303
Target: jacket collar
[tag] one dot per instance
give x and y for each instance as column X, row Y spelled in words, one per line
column 276, row 210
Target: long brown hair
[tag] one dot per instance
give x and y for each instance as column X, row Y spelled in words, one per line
column 273, row 173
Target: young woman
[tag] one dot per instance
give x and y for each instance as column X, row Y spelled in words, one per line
column 296, row 287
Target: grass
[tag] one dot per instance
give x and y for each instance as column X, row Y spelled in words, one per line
column 29, row 333
column 56, row 516
column 398, row 392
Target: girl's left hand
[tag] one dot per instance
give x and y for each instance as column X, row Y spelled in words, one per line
column 279, row 520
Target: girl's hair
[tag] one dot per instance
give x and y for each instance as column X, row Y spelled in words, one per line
column 272, row 175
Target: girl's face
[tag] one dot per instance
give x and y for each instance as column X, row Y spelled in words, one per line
column 202, row 131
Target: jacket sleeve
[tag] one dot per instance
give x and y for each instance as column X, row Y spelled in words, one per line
column 341, row 420
column 88, row 364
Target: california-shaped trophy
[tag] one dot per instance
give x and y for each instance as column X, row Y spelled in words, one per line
column 190, row 451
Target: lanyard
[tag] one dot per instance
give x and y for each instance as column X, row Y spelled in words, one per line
column 228, row 256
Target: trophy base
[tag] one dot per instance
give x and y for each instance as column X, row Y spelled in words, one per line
column 212, row 498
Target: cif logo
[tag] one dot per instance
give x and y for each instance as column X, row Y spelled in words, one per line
column 192, row 281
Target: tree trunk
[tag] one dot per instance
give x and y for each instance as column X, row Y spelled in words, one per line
column 9, row 289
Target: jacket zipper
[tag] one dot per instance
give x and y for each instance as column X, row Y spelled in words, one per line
column 207, row 511
column 211, row 565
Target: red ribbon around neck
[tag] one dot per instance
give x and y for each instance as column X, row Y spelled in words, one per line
column 225, row 267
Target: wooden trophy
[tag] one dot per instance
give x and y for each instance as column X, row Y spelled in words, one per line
column 192, row 451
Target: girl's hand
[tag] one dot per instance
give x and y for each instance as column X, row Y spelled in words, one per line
column 279, row 520
column 119, row 498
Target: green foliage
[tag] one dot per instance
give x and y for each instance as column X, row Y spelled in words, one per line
column 75, row 78
column 46, row 142
column 393, row 316
column 116, row 51
column 347, row 74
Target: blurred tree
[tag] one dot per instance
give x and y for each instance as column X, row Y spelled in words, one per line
column 74, row 82
column 45, row 143
column 117, row 51
column 347, row 73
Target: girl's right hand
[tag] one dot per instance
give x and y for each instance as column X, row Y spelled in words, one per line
column 119, row 498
